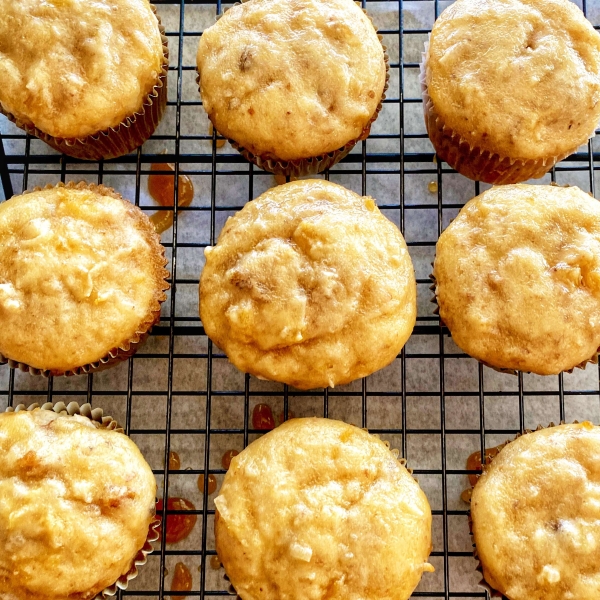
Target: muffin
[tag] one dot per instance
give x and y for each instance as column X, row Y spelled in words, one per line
column 536, row 515
column 81, row 278
column 510, row 87
column 320, row 509
column 518, row 278
column 76, row 505
column 294, row 84
column 88, row 78
column 309, row 285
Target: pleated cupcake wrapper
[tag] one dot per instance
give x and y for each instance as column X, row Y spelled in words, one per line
column 483, row 583
column 433, row 287
column 114, row 356
column 128, row 347
column 472, row 161
column 117, row 141
column 96, row 415
column 394, row 451
column 315, row 164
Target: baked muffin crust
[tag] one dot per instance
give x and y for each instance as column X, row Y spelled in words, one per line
column 291, row 79
column 321, row 509
column 536, row 515
column 73, row 68
column 81, row 273
column 309, row 284
column 518, row 278
column 520, row 78
column 76, row 503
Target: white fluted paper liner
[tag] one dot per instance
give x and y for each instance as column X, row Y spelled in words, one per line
column 96, row 415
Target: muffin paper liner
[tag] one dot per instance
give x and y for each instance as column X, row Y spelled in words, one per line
column 231, row 590
column 483, row 583
column 472, row 161
column 582, row 365
column 125, row 349
column 96, row 415
column 315, row 164
column 117, row 141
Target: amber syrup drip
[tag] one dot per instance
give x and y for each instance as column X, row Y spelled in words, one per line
column 161, row 185
column 174, row 461
column 179, row 527
column 182, row 581
column 212, row 483
column 474, row 462
column 262, row 417
column 227, row 457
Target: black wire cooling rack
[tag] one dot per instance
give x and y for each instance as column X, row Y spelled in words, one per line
column 436, row 404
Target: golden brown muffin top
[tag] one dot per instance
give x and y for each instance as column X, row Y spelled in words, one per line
column 76, row 502
column 536, row 515
column 518, row 277
column 309, row 284
column 81, row 272
column 520, row 78
column 291, row 79
column 321, row 509
column 73, row 68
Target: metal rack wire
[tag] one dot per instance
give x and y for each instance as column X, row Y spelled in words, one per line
column 461, row 399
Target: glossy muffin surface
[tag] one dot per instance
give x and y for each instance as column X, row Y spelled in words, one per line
column 291, row 79
column 81, row 272
column 76, row 503
column 518, row 278
column 520, row 78
column 73, row 68
column 310, row 285
column 536, row 515
column 321, row 509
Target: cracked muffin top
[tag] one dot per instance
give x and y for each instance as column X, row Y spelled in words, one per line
column 318, row 508
column 309, row 285
column 536, row 515
column 520, row 78
column 292, row 79
column 518, row 278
